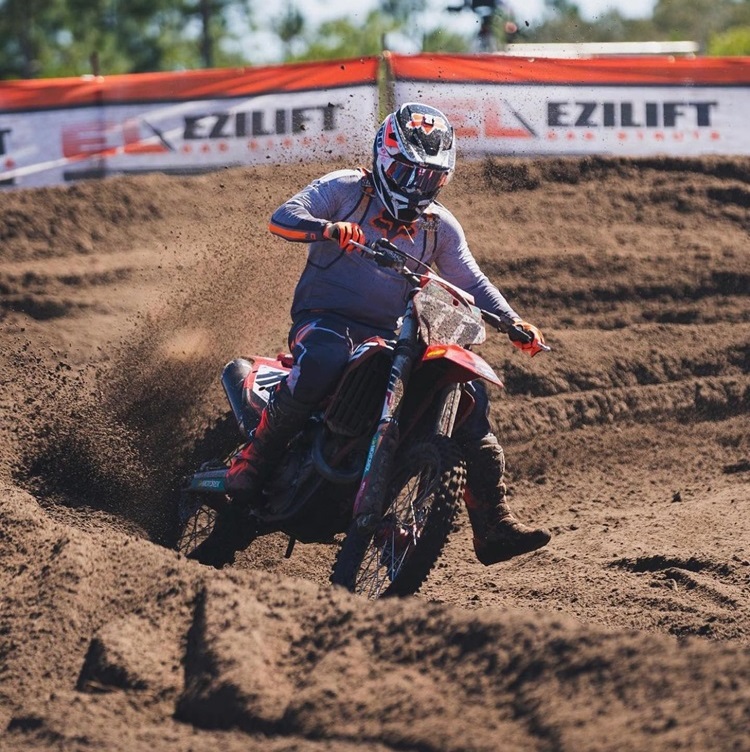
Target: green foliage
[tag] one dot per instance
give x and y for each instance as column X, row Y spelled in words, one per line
column 290, row 25
column 734, row 41
column 442, row 40
column 49, row 38
column 341, row 38
column 564, row 24
column 692, row 19
column 672, row 20
column 402, row 11
column 22, row 38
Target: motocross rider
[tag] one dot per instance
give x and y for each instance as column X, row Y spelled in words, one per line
column 342, row 299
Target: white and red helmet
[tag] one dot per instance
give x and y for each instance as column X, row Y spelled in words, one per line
column 414, row 157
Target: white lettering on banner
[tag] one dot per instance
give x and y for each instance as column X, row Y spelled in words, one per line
column 189, row 136
column 622, row 120
column 48, row 146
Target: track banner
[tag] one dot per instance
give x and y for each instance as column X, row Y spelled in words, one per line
column 624, row 106
column 58, row 130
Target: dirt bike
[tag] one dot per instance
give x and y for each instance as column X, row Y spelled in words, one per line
column 377, row 460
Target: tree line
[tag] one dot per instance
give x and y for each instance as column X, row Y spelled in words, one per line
column 53, row 38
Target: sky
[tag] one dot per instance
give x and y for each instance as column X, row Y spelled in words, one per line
column 465, row 22
column 522, row 9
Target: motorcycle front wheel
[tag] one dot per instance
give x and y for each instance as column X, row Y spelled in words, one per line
column 424, row 495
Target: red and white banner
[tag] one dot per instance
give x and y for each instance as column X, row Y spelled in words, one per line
column 59, row 130
column 622, row 106
column 53, row 131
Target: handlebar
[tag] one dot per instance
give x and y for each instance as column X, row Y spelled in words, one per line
column 386, row 255
column 515, row 333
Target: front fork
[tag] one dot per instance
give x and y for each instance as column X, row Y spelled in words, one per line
column 377, row 472
column 450, row 400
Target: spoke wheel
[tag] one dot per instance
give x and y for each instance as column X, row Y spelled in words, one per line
column 192, row 516
column 423, row 499
column 196, row 517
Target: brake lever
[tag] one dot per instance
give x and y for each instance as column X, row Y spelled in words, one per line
column 365, row 249
column 389, row 257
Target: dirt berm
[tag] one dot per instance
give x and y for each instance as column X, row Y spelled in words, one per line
column 120, row 301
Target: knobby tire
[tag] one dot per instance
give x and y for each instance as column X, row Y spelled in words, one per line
column 195, row 514
column 388, row 561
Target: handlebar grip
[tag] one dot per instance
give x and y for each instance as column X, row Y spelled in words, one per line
column 516, row 334
column 504, row 325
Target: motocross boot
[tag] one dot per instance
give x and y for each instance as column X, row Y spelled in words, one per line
column 498, row 535
column 283, row 418
column 233, row 531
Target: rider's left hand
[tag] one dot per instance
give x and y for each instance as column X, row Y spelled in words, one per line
column 536, row 345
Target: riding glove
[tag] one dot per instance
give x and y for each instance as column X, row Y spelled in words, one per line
column 343, row 233
column 535, row 345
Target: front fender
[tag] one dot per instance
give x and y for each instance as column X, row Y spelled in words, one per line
column 470, row 365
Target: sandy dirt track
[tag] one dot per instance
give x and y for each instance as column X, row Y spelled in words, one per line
column 120, row 301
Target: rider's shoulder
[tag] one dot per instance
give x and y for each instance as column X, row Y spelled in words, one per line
column 442, row 217
column 344, row 176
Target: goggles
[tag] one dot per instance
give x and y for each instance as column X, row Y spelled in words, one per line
column 413, row 180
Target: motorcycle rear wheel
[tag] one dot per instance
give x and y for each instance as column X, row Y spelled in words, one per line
column 193, row 515
column 196, row 515
column 423, row 499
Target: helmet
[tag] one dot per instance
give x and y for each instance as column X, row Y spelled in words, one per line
column 414, row 156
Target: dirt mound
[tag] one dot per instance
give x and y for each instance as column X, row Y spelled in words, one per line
column 256, row 657
column 120, row 301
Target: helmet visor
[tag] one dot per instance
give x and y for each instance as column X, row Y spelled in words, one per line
column 413, row 180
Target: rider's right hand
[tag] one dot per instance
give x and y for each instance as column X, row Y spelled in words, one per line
column 343, row 233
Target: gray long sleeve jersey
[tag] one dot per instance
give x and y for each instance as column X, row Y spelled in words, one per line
column 354, row 287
